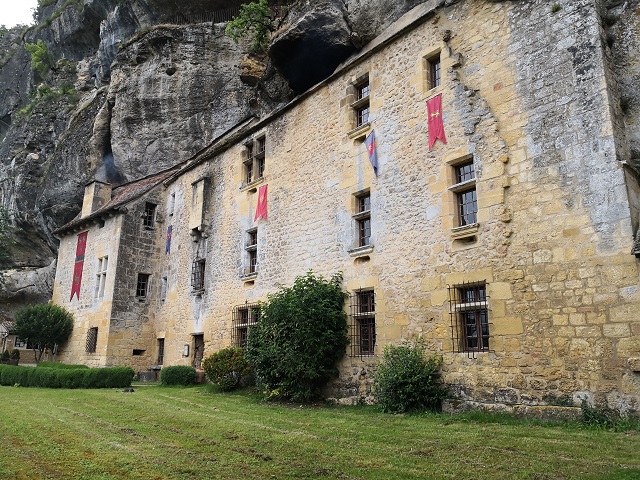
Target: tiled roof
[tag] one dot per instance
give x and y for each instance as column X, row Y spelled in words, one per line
column 120, row 196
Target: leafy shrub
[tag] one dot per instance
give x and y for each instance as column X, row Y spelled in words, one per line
column 301, row 334
column 253, row 22
column 178, row 375
column 407, row 380
column 44, row 377
column 602, row 417
column 226, row 368
column 60, row 365
column 41, row 58
column 5, row 355
column 15, row 354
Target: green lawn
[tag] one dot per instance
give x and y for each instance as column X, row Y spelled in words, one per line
column 172, row 433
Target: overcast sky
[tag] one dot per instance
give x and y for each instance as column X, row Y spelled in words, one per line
column 13, row 12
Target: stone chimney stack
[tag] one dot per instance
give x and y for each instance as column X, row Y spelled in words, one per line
column 96, row 195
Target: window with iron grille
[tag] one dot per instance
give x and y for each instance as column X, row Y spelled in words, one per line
column 362, row 217
column 160, row 351
column 142, row 285
column 243, row 318
column 465, row 191
column 362, row 324
column 149, row 215
column 197, row 274
column 92, row 340
column 433, row 65
column 469, row 311
column 252, row 251
column 101, row 276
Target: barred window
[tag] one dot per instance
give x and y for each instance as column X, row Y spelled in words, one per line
column 469, row 317
column 142, row 286
column 92, row 340
column 362, row 325
column 243, row 318
column 197, row 274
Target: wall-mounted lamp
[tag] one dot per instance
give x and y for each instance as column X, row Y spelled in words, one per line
column 185, row 350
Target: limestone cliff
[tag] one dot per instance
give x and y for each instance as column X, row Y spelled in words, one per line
column 139, row 85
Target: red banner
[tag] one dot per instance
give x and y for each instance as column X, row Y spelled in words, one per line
column 435, row 123
column 77, row 268
column 261, row 209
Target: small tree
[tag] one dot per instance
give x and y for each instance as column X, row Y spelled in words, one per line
column 41, row 58
column 44, row 325
column 407, row 380
column 301, row 334
column 254, row 22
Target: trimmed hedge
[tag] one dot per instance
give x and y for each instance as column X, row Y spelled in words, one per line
column 60, row 365
column 178, row 375
column 47, row 377
column 226, row 368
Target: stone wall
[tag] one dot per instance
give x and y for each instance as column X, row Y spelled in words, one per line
column 89, row 310
column 525, row 96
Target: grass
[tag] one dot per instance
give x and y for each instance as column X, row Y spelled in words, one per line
column 190, row 433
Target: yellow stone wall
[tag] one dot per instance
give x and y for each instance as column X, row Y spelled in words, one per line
column 88, row 310
column 554, row 225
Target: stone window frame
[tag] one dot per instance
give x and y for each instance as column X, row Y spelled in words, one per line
column 164, row 287
column 251, row 249
column 160, row 347
column 171, row 204
column 360, row 216
column 432, row 69
column 254, row 162
column 91, row 342
column 243, row 317
column 434, row 54
column 469, row 309
column 143, row 283
column 362, row 323
column 461, row 228
column 358, row 99
column 101, row 276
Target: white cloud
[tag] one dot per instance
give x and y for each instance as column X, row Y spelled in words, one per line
column 13, row 12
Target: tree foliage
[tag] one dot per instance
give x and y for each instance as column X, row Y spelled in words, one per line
column 254, row 22
column 41, row 59
column 44, row 326
column 301, row 334
column 407, row 380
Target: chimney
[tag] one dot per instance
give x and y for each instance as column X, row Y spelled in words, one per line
column 96, row 195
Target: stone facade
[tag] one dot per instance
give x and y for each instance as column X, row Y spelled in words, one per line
column 544, row 265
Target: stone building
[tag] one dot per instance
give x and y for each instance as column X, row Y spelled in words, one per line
column 507, row 245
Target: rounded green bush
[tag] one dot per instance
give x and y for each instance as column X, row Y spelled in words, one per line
column 178, row 375
column 226, row 368
column 407, row 380
column 301, row 335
